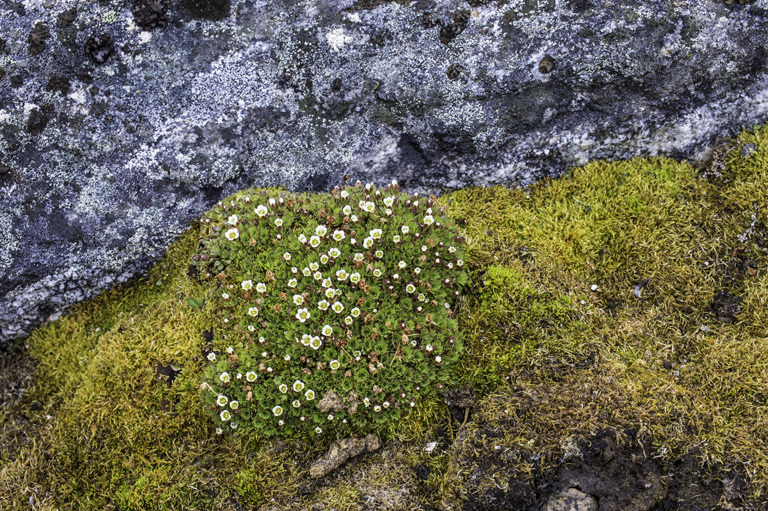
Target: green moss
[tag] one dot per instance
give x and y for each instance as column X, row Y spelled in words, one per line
column 557, row 342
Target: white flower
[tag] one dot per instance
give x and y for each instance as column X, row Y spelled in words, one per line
column 224, row 377
column 261, row 210
column 359, row 256
column 309, row 395
column 428, row 219
column 305, row 339
column 375, row 234
column 253, row 311
column 366, row 402
column 459, row 262
column 354, row 278
column 302, row 239
column 428, row 347
column 388, row 212
column 385, row 404
column 421, row 297
column 450, row 266
column 370, row 206
column 339, row 235
column 251, row 376
column 379, row 254
column 395, row 276
column 298, row 299
column 396, row 238
column 303, row 315
column 277, row 411
column 334, row 364
column 377, row 408
column 283, row 388
column 296, row 403
column 330, row 416
column 287, row 358
column 451, row 249
column 361, row 204
column 287, row 256
column 342, row 275
column 225, row 296
column 261, row 287
column 320, row 230
column 368, row 242
column 368, row 187
column 306, row 271
column 417, row 271
column 298, row 386
column 222, row 400
column 344, row 194
column 410, row 288
column 234, row 405
column 337, row 307
column 317, row 275
column 353, row 218
column 327, row 330
column 219, row 431
column 423, row 248
column 447, row 305
column 326, row 282
column 405, row 229
column 314, row 241
column 348, row 320
column 251, row 328
column 347, row 210
column 323, row 305
column 211, row 356
column 292, row 283
column 323, row 259
column 314, row 266
column 233, row 425
column 230, row 350
column 232, row 220
column 334, row 252
column 232, row 234
column 355, row 312
column 438, row 359
column 246, row 285
column 388, row 201
column 401, row 265
column 319, row 430
column 377, row 272
column 315, row 344
column 278, row 222
column 225, row 415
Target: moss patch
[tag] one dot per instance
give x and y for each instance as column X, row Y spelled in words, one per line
column 590, row 337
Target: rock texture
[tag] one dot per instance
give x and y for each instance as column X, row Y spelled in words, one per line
column 122, row 120
column 340, row 451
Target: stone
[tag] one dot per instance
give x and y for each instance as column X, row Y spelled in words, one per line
column 196, row 99
column 340, row 451
column 571, row 500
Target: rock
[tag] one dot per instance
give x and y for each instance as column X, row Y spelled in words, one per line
column 340, row 451
column 198, row 98
column 571, row 500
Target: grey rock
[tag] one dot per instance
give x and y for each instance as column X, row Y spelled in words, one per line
column 571, row 500
column 340, row 451
column 106, row 157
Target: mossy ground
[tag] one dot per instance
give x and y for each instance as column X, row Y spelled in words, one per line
column 558, row 364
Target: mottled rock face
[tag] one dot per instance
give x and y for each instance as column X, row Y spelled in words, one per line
column 120, row 121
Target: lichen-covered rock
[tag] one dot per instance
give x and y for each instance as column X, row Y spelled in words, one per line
column 571, row 500
column 108, row 161
column 340, row 451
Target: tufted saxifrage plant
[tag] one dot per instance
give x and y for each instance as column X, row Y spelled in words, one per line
column 332, row 312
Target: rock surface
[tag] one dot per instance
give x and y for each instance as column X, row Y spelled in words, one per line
column 340, row 451
column 571, row 500
column 123, row 120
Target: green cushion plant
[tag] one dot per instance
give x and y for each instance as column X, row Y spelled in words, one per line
column 332, row 312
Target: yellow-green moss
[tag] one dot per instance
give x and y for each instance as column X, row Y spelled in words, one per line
column 558, row 346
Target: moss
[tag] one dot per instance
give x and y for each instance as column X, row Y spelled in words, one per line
column 583, row 317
